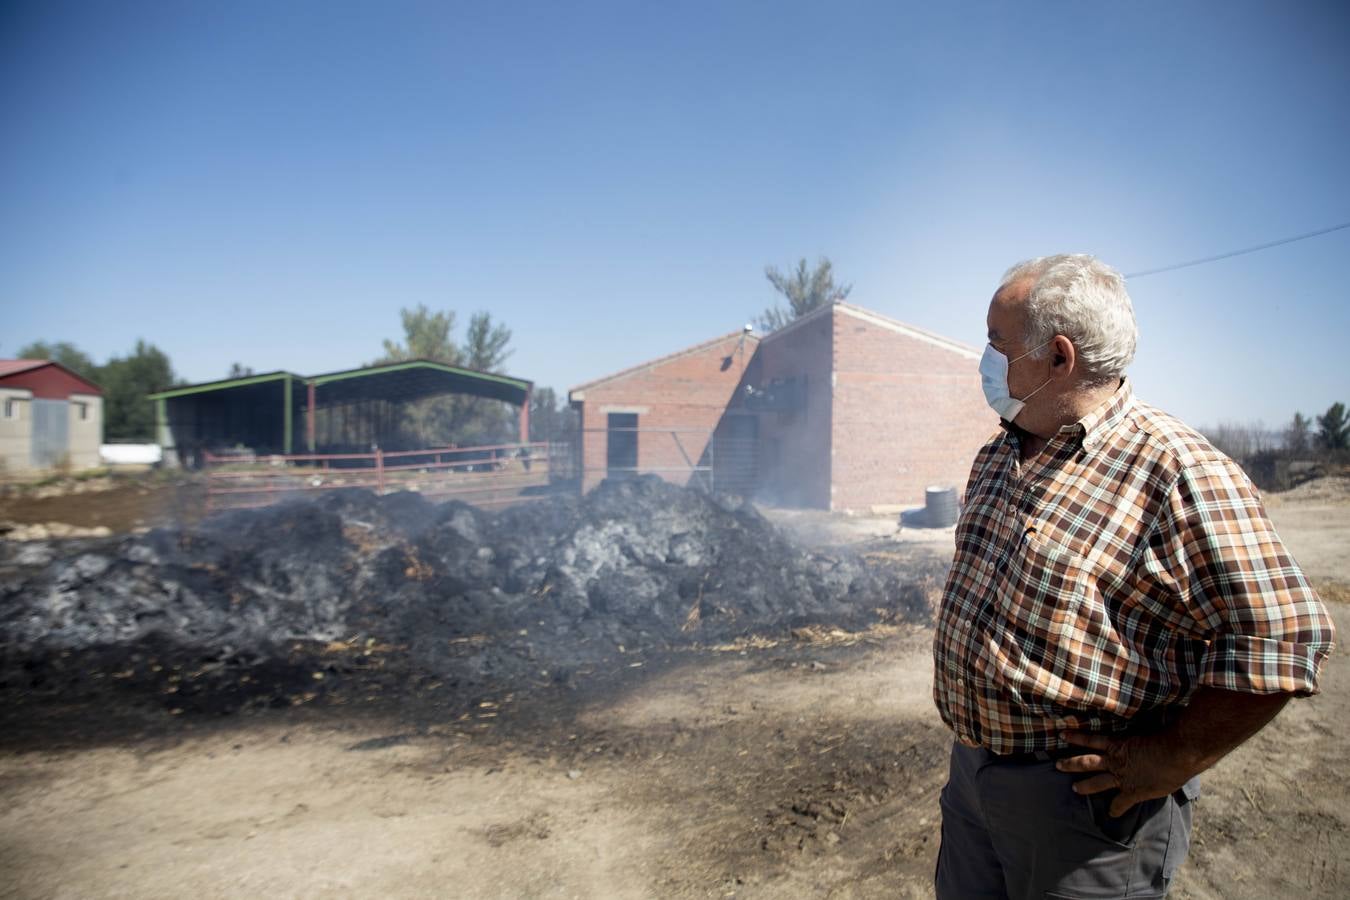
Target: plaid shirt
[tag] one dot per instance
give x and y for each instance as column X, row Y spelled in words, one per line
column 1125, row 566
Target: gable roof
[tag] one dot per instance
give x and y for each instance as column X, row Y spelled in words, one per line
column 203, row 387
column 402, row 377
column 877, row 319
column 15, row 366
column 662, row 360
column 918, row 334
column 10, row 367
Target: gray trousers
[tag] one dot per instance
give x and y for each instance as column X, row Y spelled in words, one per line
column 1017, row 830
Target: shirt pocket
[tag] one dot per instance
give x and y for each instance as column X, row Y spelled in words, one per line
column 1044, row 588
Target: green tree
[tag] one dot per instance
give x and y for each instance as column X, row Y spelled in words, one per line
column 805, row 290
column 476, row 420
column 1297, row 435
column 239, row 370
column 128, row 415
column 65, row 353
column 458, row 419
column 426, row 335
column 550, row 420
column 1333, row 429
column 485, row 344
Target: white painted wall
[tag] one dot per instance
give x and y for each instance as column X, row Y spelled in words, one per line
column 86, row 434
column 16, row 441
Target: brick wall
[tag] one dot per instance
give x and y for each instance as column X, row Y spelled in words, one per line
column 679, row 401
column 887, row 412
column 908, row 413
column 794, row 455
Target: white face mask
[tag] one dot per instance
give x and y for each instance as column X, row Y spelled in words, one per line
column 994, row 379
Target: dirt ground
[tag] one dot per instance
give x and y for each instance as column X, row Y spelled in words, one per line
column 122, row 503
column 778, row 768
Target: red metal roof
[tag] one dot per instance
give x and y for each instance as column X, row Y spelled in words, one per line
column 12, row 366
column 46, row 379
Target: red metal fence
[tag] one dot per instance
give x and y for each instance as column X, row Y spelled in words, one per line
column 490, row 476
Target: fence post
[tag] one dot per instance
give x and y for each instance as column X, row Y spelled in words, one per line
column 206, row 464
column 379, row 470
column 712, row 462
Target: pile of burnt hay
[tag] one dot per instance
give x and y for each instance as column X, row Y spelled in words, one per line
column 462, row 597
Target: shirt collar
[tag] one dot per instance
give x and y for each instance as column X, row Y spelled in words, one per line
column 1097, row 426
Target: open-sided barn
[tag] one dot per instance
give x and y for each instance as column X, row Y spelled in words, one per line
column 338, row 412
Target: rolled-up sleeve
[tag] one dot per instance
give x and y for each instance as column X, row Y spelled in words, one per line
column 1267, row 630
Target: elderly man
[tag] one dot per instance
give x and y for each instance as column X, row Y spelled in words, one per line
column 1119, row 615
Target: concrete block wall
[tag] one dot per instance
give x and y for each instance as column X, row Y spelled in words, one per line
column 908, row 413
column 16, row 431
column 86, row 434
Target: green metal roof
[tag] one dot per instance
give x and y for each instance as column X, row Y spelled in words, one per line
column 224, row 384
column 409, row 379
column 424, row 364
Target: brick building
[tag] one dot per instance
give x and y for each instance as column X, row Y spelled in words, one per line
column 841, row 409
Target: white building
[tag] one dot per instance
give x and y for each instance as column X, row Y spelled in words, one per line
column 50, row 418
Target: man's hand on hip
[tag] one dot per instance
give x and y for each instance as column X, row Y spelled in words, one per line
column 1142, row 767
column 1155, row 765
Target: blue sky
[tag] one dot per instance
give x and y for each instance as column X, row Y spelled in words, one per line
column 269, row 182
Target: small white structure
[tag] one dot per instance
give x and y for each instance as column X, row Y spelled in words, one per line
column 50, row 418
column 131, row 454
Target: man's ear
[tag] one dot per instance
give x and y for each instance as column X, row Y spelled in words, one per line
column 1063, row 355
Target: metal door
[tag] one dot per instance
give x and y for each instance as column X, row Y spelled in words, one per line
column 51, row 433
column 621, row 456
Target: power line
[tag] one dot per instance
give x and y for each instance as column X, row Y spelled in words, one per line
column 1265, row 246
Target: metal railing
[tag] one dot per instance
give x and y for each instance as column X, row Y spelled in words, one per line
column 488, row 476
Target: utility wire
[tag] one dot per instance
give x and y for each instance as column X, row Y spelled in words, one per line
column 1266, row 246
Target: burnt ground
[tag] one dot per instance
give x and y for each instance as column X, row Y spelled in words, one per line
column 802, row 759
column 122, row 503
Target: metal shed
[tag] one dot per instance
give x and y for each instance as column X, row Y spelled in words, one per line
column 280, row 412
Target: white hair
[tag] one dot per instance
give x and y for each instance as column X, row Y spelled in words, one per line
column 1085, row 300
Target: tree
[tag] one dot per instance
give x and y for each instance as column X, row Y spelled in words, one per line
column 548, row 420
column 476, row 420
column 805, row 290
column 126, row 380
column 426, row 335
column 239, row 370
column 1297, row 435
column 485, row 344
column 456, row 419
column 1239, row 440
column 65, row 353
column 1333, row 429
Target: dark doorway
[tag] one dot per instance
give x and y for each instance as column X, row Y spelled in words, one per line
column 622, row 441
